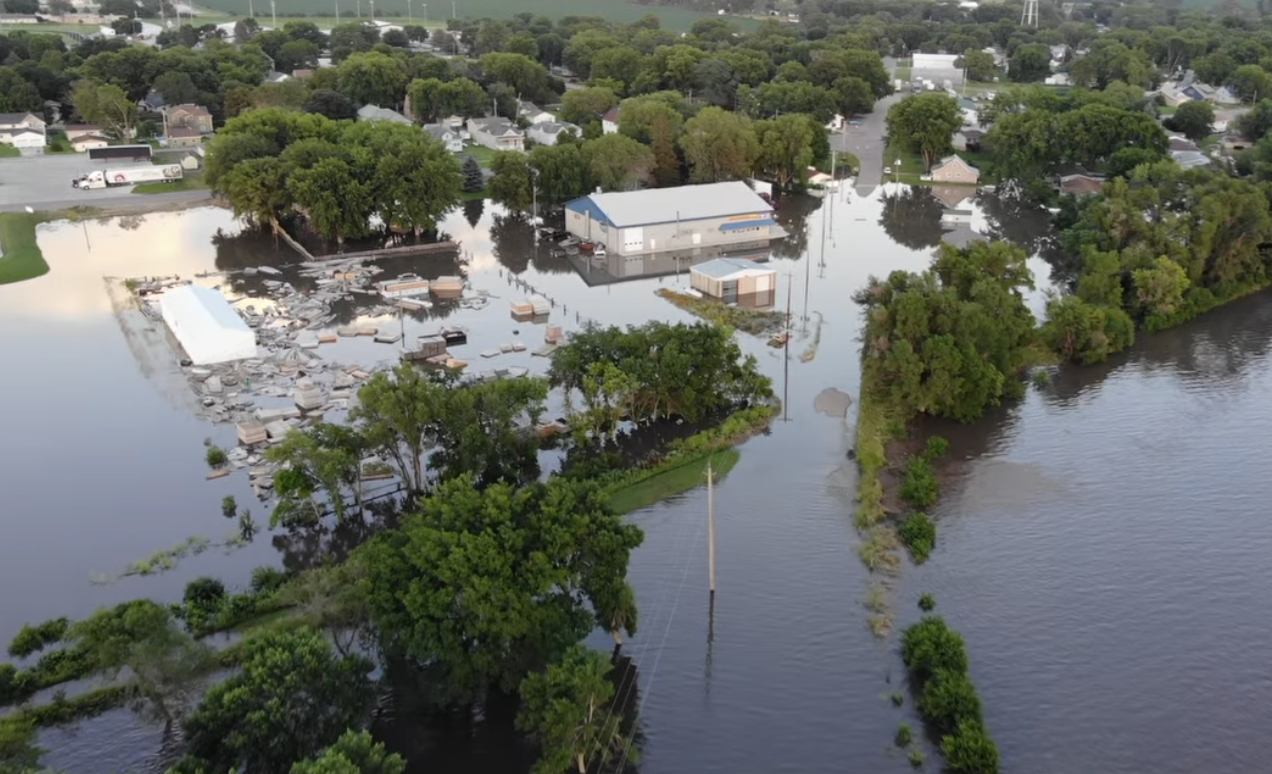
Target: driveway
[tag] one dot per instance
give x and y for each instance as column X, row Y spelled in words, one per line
column 44, row 183
column 866, row 141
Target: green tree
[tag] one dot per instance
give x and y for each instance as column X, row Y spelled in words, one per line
column 176, row 88
column 1081, row 332
column 561, row 171
column 372, row 78
column 1159, row 289
column 924, row 124
column 949, row 699
column 616, row 162
column 334, row 201
column 325, row 460
column 930, row 646
column 412, row 181
column 718, row 146
column 580, row 106
column 487, row 585
column 786, row 148
column 1029, row 63
column 395, row 413
column 331, row 597
column 355, row 752
column 979, row 65
column 106, row 105
column 855, row 96
column 1256, row 122
column 567, row 709
column 351, row 37
column 1251, row 82
column 1194, row 118
column 331, row 104
column 19, row 753
column 292, row 698
column 969, row 750
column 474, row 181
column 511, row 184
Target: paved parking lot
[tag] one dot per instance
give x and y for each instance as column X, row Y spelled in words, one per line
column 44, row 183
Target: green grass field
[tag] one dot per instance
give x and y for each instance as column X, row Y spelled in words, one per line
column 441, row 10
column 191, row 182
column 673, row 482
column 22, row 258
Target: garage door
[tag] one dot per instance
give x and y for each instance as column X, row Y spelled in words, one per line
column 633, row 239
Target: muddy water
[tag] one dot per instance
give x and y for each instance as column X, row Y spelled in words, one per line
column 782, row 673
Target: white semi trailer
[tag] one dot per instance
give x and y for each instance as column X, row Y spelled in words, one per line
column 108, row 178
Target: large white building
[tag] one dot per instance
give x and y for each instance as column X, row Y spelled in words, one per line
column 653, row 220
column 206, row 326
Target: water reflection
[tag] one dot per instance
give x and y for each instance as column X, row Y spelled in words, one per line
column 912, row 217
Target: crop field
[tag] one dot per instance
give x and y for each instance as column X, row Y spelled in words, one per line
column 440, row 10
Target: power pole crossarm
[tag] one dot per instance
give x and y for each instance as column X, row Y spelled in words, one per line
column 710, row 529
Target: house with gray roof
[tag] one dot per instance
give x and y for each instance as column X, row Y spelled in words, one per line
column 496, row 133
column 735, row 281
column 377, row 113
column 446, row 135
column 632, row 223
column 547, row 132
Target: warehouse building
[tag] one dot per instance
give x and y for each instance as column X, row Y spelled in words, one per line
column 735, row 281
column 657, row 220
column 206, row 326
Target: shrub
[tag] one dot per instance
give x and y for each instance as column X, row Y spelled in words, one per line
column 266, row 578
column 919, row 487
column 916, row 758
column 949, row 699
column 930, row 645
column 35, row 638
column 204, row 593
column 969, row 750
column 919, row 535
column 935, row 448
column 904, row 735
column 216, row 457
column 927, row 602
column 898, row 698
column 228, row 506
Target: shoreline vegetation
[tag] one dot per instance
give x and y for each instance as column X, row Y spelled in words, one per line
column 756, row 322
column 20, row 256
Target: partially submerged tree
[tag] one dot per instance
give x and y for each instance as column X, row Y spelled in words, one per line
column 355, row 752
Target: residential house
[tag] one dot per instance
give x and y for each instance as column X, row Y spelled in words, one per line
column 25, row 131
column 952, row 169
column 448, row 136
column 191, row 116
column 1182, row 144
column 609, row 121
column 496, row 133
column 377, row 113
column 534, row 114
column 273, row 76
column 83, row 143
column 967, row 140
column 153, row 102
column 183, row 137
column 1081, row 185
column 303, row 74
column 1058, row 79
column 970, row 111
column 547, row 132
column 1189, row 159
column 26, row 120
column 75, row 131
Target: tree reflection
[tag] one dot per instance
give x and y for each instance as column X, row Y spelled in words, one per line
column 310, row 547
column 793, row 215
column 473, row 210
column 513, row 238
column 913, row 218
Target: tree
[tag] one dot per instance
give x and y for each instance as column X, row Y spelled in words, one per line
column 324, row 459
column 1159, row 290
column 27, row 7
column 1251, row 82
column 979, row 65
column 329, row 194
column 486, row 585
column 718, row 146
column 292, row 698
column 350, row 38
column 373, row 78
column 394, row 413
column 331, row 597
column 924, row 123
column 474, row 181
column 395, row 38
column 176, row 87
column 297, row 55
column 561, row 171
column 1081, row 332
column 106, row 105
column 855, row 96
column 579, row 106
column 616, row 162
column 568, row 709
column 355, row 752
column 511, row 184
column 19, row 753
column 1194, row 118
column 331, row 104
column 126, row 26
column 786, row 148
column 1029, row 63
column 970, row 750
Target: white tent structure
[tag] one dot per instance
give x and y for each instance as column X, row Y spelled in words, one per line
column 207, row 326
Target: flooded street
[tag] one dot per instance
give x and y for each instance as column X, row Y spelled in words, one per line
column 1101, row 547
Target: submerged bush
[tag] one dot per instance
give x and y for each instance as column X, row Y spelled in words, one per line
column 904, row 735
column 919, row 487
column 927, row 602
column 969, row 750
column 918, row 532
column 930, row 645
column 216, row 457
column 916, row 758
column 267, row 578
column 949, row 699
column 204, row 593
column 935, row 448
column 31, row 639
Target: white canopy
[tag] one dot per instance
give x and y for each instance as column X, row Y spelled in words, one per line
column 207, row 326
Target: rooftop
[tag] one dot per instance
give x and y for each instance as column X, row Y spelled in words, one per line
column 665, row 205
column 723, row 268
column 182, row 131
column 16, row 118
column 192, row 109
column 377, row 113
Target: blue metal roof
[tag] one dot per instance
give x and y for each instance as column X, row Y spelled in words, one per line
column 734, row 225
column 586, row 206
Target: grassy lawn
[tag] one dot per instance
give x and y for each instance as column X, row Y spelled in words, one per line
column 7, row 151
column 22, row 258
column 479, row 152
column 673, row 482
column 911, row 166
column 1166, row 110
column 191, row 182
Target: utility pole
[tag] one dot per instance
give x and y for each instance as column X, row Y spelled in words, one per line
column 337, row 11
column 453, row 14
column 251, row 10
column 273, row 13
column 409, row 18
column 710, row 529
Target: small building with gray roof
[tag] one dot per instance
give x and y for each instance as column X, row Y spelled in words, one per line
column 655, row 220
column 735, row 281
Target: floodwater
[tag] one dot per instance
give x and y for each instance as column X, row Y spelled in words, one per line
column 1084, row 552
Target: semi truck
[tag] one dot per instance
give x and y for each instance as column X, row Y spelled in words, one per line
column 110, row 177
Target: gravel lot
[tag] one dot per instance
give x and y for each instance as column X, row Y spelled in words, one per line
column 44, row 183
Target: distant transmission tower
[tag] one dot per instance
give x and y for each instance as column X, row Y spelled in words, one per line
column 1029, row 17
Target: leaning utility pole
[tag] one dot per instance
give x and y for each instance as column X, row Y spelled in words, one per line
column 710, row 530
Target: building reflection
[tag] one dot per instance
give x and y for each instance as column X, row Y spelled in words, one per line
column 598, row 270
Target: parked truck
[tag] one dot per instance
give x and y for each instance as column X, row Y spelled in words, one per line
column 110, row 177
